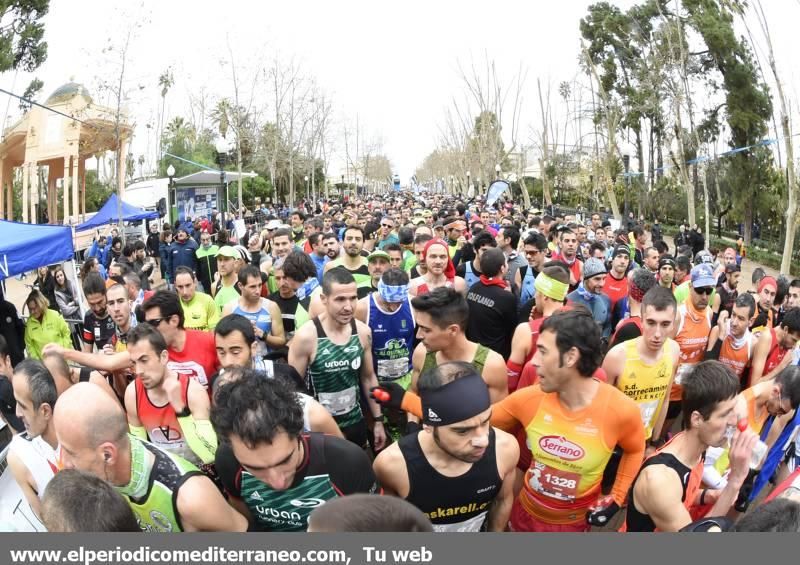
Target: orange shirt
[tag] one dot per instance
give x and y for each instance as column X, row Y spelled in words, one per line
column 736, row 360
column 692, row 337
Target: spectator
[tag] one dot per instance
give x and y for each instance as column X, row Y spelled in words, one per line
column 207, row 262
column 44, row 326
column 47, row 286
column 66, row 297
column 165, row 252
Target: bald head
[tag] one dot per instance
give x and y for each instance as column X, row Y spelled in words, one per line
column 88, row 410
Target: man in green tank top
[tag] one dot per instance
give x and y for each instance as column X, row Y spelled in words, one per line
column 275, row 473
column 224, row 288
column 441, row 317
column 335, row 355
column 353, row 260
column 165, row 492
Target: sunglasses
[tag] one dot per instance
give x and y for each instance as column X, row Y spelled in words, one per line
column 387, row 226
column 155, row 322
column 707, row 290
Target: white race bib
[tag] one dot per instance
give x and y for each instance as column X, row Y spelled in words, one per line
column 339, row 403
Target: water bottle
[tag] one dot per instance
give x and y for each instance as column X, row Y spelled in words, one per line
column 760, row 449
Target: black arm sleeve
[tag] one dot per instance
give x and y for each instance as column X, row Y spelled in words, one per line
column 229, row 470
column 714, row 353
column 349, row 467
column 626, row 333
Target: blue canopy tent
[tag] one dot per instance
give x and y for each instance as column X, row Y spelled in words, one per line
column 25, row 247
column 108, row 214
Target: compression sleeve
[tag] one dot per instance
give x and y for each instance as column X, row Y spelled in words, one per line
column 629, row 434
column 200, row 436
column 138, row 431
column 349, row 468
column 513, row 370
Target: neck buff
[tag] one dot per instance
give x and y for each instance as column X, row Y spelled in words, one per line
column 585, row 294
column 393, row 294
column 456, row 401
column 140, row 471
column 550, row 287
column 450, row 269
column 740, row 342
column 494, row 281
column 308, row 287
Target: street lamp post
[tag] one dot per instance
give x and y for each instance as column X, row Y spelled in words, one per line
column 626, row 161
column 468, row 184
column 173, row 201
column 497, row 172
column 306, row 179
column 222, row 147
column 452, row 185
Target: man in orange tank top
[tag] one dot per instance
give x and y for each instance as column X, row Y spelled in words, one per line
column 731, row 341
column 669, row 481
column 692, row 326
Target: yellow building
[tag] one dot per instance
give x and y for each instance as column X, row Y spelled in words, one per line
column 42, row 138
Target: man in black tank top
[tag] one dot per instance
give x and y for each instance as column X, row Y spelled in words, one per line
column 458, row 469
column 669, row 482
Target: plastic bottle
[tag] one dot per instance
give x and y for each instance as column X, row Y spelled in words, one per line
column 760, row 449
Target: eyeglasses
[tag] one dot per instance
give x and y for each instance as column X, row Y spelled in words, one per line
column 532, row 253
column 707, row 290
column 387, row 226
column 781, row 411
column 155, row 322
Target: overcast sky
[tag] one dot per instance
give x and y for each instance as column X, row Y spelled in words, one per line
column 392, row 64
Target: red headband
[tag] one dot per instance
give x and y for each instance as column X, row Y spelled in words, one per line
column 450, row 269
column 767, row 281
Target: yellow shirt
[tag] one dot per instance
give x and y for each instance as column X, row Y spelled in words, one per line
column 646, row 384
column 200, row 313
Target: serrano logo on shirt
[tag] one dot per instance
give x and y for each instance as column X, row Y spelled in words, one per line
column 561, row 447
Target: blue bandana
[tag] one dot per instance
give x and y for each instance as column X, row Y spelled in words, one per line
column 393, row 293
column 308, row 287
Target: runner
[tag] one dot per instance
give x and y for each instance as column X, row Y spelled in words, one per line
column 335, row 356
column 765, row 314
column 508, row 241
column 551, row 291
column 441, row 271
column 165, row 492
column 666, row 272
column 353, row 261
column 568, row 253
column 281, row 245
column 98, row 327
column 643, row 367
column 616, row 283
column 163, row 408
column 442, row 316
column 692, row 326
column 572, row 422
column 629, row 309
column 206, row 262
column 492, row 306
column 200, row 312
column 378, row 262
column 273, row 471
column 390, row 318
column 535, row 248
column 590, row 294
column 224, row 289
column 731, row 341
column 262, row 312
column 75, row 501
column 191, row 352
column 458, row 469
column 768, row 362
column 669, row 483
column 368, row 513
column 416, row 267
column 470, row 271
column 236, row 344
column 727, row 291
column 32, row 454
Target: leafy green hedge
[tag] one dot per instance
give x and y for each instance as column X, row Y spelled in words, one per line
column 761, row 252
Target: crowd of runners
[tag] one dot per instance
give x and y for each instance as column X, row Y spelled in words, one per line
column 407, row 363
